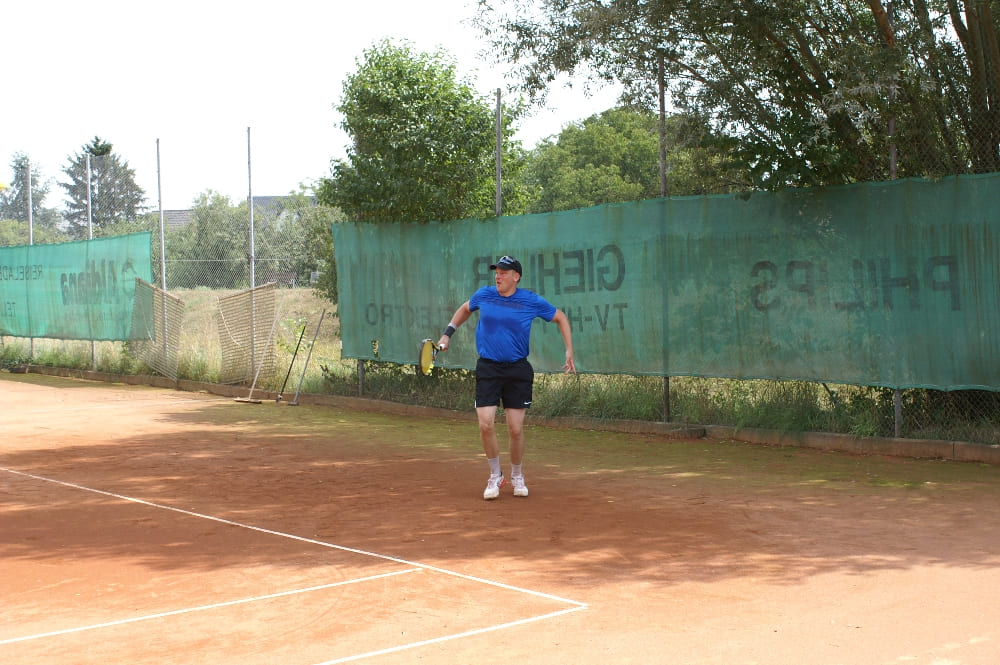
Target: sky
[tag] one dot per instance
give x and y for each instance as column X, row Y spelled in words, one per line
column 237, row 95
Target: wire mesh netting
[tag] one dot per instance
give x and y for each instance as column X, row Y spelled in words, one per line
column 940, row 120
column 246, row 323
column 160, row 317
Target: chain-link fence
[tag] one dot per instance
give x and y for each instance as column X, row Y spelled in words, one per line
column 211, row 251
column 206, row 262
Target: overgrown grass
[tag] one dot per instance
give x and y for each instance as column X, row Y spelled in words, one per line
column 298, row 312
column 445, row 388
column 783, row 405
column 111, row 357
column 200, row 355
column 788, row 406
column 13, row 353
column 617, row 397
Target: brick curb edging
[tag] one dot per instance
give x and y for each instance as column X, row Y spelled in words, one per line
column 961, row 451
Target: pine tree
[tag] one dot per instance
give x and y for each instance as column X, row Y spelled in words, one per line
column 114, row 195
column 14, row 199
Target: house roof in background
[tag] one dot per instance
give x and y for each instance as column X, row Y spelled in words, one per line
column 175, row 219
column 268, row 205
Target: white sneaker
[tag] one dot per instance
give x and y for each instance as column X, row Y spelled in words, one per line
column 520, row 489
column 492, row 490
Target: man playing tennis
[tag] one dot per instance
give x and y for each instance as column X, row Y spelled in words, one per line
column 503, row 373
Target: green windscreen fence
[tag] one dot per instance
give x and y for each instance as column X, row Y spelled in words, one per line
column 893, row 284
column 74, row 290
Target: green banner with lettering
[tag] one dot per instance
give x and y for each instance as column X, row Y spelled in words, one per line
column 893, row 284
column 74, row 290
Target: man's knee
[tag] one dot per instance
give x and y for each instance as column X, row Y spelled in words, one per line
column 515, row 421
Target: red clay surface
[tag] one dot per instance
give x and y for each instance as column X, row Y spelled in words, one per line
column 142, row 525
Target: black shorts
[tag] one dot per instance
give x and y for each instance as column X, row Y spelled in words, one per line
column 509, row 383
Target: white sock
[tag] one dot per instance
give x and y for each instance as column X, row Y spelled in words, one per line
column 515, row 470
column 494, row 466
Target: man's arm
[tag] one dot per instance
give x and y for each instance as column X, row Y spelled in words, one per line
column 561, row 320
column 460, row 316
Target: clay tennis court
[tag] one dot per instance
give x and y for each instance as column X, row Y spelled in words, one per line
column 148, row 525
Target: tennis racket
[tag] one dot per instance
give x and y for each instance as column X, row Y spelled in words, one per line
column 425, row 359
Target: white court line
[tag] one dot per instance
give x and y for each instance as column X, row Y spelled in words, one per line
column 576, row 605
column 202, row 608
column 446, row 638
column 292, row 536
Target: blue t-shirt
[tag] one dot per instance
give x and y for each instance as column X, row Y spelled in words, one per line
column 504, row 327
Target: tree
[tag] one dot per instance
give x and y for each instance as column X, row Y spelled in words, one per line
column 14, row 233
column 14, row 199
column 293, row 239
column 422, row 143
column 114, row 196
column 816, row 92
column 213, row 250
column 303, row 239
column 614, row 156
